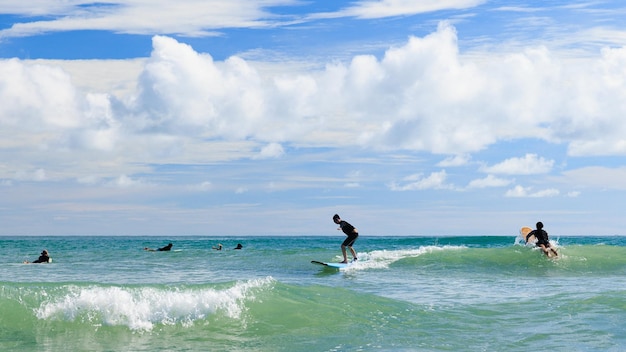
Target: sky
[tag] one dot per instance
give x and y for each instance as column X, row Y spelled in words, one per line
column 235, row 118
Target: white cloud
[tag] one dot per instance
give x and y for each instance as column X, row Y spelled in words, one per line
column 527, row 192
column 489, row 181
column 272, row 150
column 530, row 164
column 107, row 77
column 457, row 160
column 388, row 8
column 417, row 182
column 186, row 17
column 124, row 181
column 193, row 18
column 550, row 192
column 39, row 95
column 38, row 7
column 425, row 96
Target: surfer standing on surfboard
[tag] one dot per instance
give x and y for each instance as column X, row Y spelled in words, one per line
column 352, row 234
column 542, row 239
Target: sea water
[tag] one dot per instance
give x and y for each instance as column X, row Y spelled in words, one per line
column 403, row 294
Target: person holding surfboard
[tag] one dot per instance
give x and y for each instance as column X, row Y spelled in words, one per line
column 542, row 239
column 352, row 234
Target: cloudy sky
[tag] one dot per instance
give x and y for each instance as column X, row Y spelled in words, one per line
column 238, row 117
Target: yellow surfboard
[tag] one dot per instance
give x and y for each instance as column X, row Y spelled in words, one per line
column 524, row 231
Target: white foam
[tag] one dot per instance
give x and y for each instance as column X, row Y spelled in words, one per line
column 140, row 308
column 381, row 259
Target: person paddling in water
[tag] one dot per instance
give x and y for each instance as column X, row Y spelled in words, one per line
column 542, row 240
column 43, row 258
column 162, row 249
column 352, row 234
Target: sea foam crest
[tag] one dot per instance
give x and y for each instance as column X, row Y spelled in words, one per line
column 381, row 259
column 140, row 308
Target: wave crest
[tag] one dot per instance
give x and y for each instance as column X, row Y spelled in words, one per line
column 140, row 308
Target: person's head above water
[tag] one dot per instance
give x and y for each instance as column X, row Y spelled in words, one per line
column 336, row 218
column 539, row 225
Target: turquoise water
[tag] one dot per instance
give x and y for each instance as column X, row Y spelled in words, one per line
column 404, row 294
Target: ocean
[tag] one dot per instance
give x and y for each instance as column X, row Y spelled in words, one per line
column 474, row 293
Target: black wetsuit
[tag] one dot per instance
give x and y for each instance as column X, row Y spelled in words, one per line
column 541, row 236
column 166, row 248
column 349, row 231
column 42, row 259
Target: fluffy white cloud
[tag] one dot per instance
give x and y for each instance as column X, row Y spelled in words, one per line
column 421, row 96
column 528, row 192
column 457, row 160
column 489, row 181
column 530, row 164
column 272, row 150
column 37, row 96
column 417, row 182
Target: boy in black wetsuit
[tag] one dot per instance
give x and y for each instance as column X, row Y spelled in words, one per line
column 542, row 239
column 43, row 258
column 166, row 248
column 352, row 234
column 162, row 249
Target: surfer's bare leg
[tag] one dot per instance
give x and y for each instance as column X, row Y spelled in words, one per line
column 353, row 253
column 345, row 255
column 548, row 249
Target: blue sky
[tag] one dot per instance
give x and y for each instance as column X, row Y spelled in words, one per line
column 406, row 117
